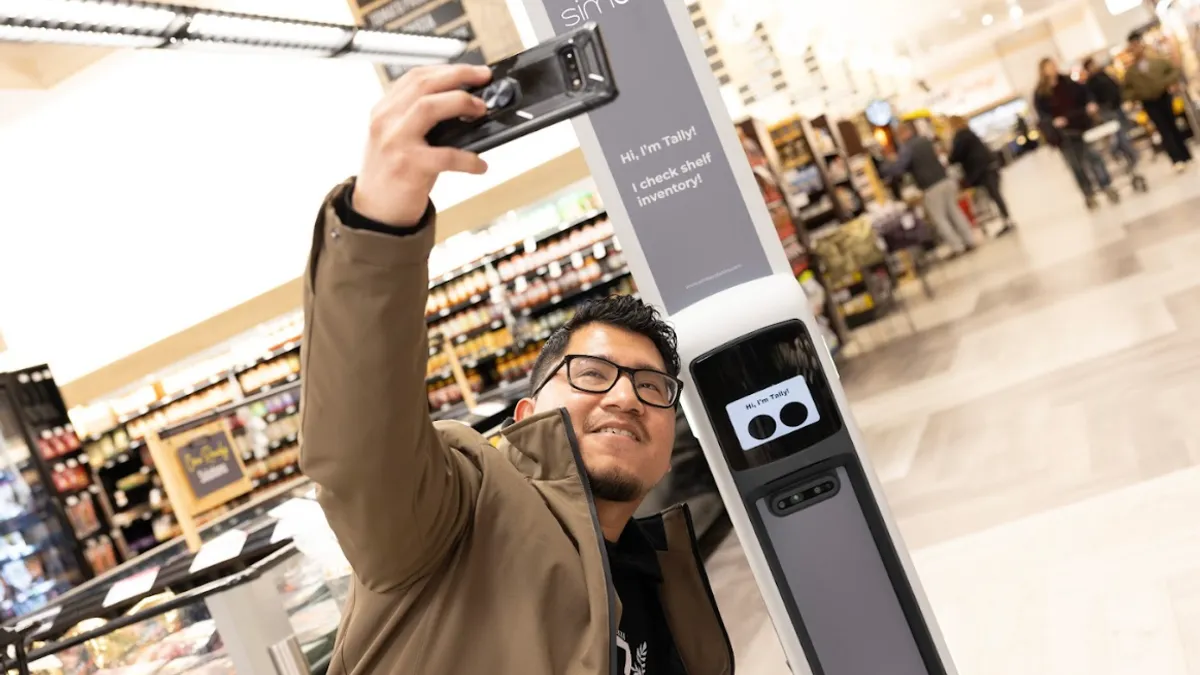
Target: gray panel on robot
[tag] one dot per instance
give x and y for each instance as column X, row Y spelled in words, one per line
column 842, row 590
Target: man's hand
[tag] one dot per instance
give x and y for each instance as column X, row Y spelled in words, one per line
column 399, row 168
column 1060, row 122
column 1092, row 109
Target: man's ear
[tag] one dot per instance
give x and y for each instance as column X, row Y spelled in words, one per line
column 525, row 408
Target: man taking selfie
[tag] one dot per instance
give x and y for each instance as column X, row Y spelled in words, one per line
column 470, row 558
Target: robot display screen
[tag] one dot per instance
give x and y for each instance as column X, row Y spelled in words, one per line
column 766, row 395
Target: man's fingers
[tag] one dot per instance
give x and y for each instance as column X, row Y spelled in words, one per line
column 436, row 79
column 433, row 108
column 424, row 80
column 453, row 159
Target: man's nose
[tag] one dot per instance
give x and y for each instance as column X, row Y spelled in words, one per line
column 622, row 395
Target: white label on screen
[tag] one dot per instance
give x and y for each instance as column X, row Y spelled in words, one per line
column 773, row 412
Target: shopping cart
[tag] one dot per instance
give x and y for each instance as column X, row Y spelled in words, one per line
column 1102, row 138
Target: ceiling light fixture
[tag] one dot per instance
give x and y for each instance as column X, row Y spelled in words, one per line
column 988, row 19
column 137, row 24
column 1015, row 12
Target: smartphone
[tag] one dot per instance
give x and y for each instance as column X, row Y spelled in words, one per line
column 554, row 81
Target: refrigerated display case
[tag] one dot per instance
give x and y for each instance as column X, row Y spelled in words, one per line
column 214, row 611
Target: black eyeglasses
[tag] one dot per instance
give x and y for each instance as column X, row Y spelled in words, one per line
column 596, row 375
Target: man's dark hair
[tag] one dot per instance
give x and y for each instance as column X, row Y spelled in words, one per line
column 1088, row 63
column 1135, row 35
column 619, row 311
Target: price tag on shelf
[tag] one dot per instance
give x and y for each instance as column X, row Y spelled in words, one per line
column 290, row 410
column 131, row 587
column 599, row 251
column 555, row 270
column 444, row 312
column 225, row 547
column 46, row 617
column 577, row 260
column 475, row 298
column 908, row 222
column 530, row 245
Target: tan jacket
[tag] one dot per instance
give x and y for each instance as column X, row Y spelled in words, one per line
column 468, row 559
column 1150, row 83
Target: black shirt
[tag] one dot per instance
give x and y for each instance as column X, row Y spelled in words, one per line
column 644, row 642
column 1105, row 90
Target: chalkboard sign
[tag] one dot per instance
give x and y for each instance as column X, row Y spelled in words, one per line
column 209, row 463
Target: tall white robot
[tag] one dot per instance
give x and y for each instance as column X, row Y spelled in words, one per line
column 761, row 390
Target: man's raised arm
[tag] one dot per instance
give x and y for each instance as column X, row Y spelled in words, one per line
column 394, row 495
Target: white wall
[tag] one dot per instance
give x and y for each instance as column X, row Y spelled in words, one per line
column 1021, row 53
column 1078, row 35
column 154, row 190
column 1116, row 27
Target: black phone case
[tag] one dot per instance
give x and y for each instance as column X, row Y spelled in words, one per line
column 544, row 96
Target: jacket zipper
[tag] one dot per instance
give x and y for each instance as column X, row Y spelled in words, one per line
column 712, row 598
column 608, row 582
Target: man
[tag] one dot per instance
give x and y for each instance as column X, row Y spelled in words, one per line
column 918, row 157
column 469, row 558
column 1107, row 95
column 1152, row 80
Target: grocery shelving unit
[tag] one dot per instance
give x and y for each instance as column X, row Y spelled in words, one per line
column 827, row 181
column 793, row 235
column 53, row 532
column 132, row 493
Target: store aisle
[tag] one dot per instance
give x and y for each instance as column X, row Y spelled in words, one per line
column 1039, row 442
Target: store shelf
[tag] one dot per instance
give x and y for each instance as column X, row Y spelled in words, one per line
column 545, row 271
column 583, row 289
column 470, row 302
column 514, row 248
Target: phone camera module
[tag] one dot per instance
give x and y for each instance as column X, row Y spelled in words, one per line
column 570, row 63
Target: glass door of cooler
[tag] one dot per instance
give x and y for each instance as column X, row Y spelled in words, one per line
column 38, row 560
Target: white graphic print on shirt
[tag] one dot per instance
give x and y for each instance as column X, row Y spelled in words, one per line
column 635, row 663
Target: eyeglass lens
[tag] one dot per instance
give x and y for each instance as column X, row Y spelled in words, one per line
column 597, row 376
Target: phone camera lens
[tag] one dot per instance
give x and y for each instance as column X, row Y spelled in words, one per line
column 783, row 504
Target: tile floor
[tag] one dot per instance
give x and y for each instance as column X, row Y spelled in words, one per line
column 1038, row 439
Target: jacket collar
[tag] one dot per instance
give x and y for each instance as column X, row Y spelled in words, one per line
column 539, row 446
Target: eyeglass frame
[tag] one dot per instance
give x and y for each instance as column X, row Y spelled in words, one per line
column 621, row 370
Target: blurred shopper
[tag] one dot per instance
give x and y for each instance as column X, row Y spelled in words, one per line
column 918, row 157
column 980, row 166
column 1066, row 112
column 1109, row 99
column 468, row 558
column 1153, row 80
